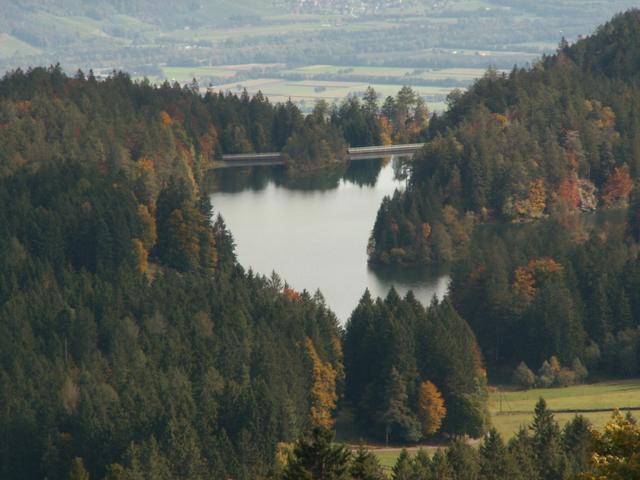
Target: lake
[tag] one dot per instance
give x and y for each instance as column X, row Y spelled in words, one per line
column 314, row 232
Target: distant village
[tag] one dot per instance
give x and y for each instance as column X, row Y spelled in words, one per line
column 348, row 7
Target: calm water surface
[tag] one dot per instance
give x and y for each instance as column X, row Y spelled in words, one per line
column 314, row 233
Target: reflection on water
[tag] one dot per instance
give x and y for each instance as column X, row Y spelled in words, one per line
column 314, row 231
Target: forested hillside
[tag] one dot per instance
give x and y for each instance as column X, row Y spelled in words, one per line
column 154, row 132
column 134, row 346
column 514, row 148
column 505, row 188
column 129, row 335
column 132, row 343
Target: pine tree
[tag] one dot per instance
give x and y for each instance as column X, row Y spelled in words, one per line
column 464, row 460
column 78, row 472
column 398, row 420
column 366, row 466
column 577, row 441
column 315, row 457
column 495, row 461
column 440, row 466
column 547, row 443
column 403, row 469
column 422, row 466
column 520, row 449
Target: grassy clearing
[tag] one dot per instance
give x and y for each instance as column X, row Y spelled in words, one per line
column 610, row 394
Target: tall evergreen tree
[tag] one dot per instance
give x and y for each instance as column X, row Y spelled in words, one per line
column 315, row 457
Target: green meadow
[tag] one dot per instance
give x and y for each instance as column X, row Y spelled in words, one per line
column 503, row 402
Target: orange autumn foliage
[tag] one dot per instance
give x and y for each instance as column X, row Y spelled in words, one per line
column 165, row 118
column 291, row 294
column 386, row 130
column 426, row 230
column 431, row 409
column 569, row 192
column 607, row 117
column 323, row 390
column 502, row 120
column 525, row 277
column 618, row 187
column 146, row 165
column 524, row 282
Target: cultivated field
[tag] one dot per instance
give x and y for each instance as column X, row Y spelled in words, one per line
column 308, row 84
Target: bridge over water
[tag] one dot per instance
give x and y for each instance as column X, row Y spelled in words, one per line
column 354, row 153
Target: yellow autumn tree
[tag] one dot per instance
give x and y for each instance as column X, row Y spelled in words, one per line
column 524, row 282
column 426, row 230
column 141, row 255
column 386, row 130
column 533, row 206
column 617, row 451
column 165, row 118
column 148, row 224
column 323, row 390
column 431, row 409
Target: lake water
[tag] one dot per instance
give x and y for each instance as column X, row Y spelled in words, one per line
column 314, row 232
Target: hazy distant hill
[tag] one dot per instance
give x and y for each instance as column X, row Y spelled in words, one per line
column 142, row 36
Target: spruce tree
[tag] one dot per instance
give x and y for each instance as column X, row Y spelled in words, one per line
column 520, row 448
column 440, row 467
column 422, row 466
column 365, row 466
column 464, row 460
column 403, row 468
column 547, row 444
column 495, row 461
column 315, row 457
column 399, row 422
column 577, row 441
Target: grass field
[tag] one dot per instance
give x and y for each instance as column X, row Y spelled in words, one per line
column 610, row 394
column 613, row 394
